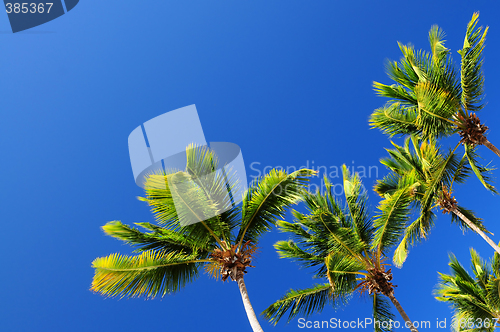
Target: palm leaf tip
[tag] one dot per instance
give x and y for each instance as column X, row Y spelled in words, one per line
column 436, row 41
column 472, row 80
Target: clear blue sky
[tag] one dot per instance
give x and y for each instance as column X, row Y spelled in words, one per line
column 288, row 81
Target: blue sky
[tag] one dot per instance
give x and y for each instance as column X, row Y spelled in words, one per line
column 288, row 81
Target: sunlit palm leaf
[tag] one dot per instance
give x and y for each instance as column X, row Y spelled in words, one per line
column 357, row 201
column 392, row 218
column 414, row 232
column 267, row 200
column 483, row 173
column 472, row 79
column 289, row 249
column 382, row 313
column 300, row 302
column 395, row 119
column 337, row 242
column 150, row 274
column 473, row 297
column 420, row 165
column 159, row 238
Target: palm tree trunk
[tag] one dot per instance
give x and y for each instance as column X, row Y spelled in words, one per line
column 491, row 147
column 477, row 230
column 402, row 312
column 248, row 306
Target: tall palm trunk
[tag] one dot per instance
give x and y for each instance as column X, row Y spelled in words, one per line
column 248, row 306
column 476, row 229
column 402, row 312
column 491, row 147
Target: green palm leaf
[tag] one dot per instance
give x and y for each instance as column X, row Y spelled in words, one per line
column 414, row 233
column 150, row 274
column 482, row 172
column 429, row 98
column 267, row 201
column 356, row 201
column 289, row 249
column 392, row 218
column 472, row 80
column 338, row 243
column 300, row 302
column 158, row 239
column 474, row 298
column 382, row 313
column 419, row 174
column 395, row 119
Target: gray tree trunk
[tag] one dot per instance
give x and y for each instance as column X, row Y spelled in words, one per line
column 402, row 312
column 477, row 230
column 252, row 318
column 491, row 147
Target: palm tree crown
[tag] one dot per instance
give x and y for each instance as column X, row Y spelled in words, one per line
column 429, row 98
column 171, row 254
column 419, row 172
column 475, row 298
column 345, row 248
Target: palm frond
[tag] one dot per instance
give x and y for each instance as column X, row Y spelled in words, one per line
column 395, row 119
column 473, row 298
column 414, row 232
column 289, row 249
column 357, row 201
column 333, row 228
column 472, row 80
column 483, row 173
column 392, row 218
column 396, row 92
column 415, row 62
column 436, row 106
column 382, row 313
column 158, row 239
column 300, row 302
column 436, row 41
column 196, row 202
column 442, row 174
column 342, row 271
column 214, row 269
column 387, row 185
column 462, row 171
column 267, row 201
column 150, row 274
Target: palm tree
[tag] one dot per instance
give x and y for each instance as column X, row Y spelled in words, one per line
column 346, row 250
column 429, row 98
column 475, row 299
column 420, row 173
column 172, row 253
